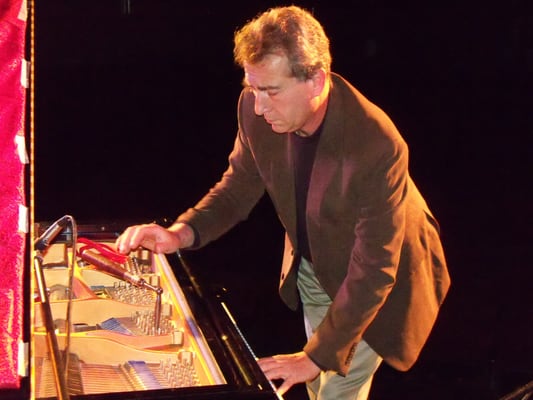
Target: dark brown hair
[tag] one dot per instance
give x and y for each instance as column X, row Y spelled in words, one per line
column 290, row 31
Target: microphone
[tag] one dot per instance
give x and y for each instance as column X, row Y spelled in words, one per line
column 50, row 234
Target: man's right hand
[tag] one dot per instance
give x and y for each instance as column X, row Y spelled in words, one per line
column 156, row 238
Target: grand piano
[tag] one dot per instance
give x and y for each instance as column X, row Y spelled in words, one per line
column 138, row 327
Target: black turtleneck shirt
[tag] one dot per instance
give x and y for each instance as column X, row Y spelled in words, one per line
column 303, row 150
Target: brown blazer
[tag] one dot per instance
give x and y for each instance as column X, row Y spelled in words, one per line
column 375, row 245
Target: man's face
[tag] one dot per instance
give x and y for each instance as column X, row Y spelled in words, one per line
column 284, row 101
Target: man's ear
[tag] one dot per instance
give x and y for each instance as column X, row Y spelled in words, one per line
column 318, row 80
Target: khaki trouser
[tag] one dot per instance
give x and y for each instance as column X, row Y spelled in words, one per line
column 329, row 385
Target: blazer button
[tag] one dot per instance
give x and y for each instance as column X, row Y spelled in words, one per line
column 283, row 276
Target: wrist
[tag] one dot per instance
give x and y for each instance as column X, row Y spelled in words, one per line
column 184, row 233
column 317, row 364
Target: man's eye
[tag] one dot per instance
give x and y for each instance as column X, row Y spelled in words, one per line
column 268, row 92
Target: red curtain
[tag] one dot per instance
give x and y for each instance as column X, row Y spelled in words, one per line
column 13, row 217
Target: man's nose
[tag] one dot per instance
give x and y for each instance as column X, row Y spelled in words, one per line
column 261, row 103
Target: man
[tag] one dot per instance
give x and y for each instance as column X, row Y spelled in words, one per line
column 362, row 250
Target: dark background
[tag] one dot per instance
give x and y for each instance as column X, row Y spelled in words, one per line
column 135, row 116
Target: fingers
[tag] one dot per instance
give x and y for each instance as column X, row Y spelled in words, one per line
column 136, row 236
column 284, row 387
column 278, row 367
column 152, row 237
column 123, row 242
column 291, row 368
column 274, row 370
column 270, row 367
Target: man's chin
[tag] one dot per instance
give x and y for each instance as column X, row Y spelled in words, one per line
column 278, row 130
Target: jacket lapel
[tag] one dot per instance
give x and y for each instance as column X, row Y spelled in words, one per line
column 327, row 159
